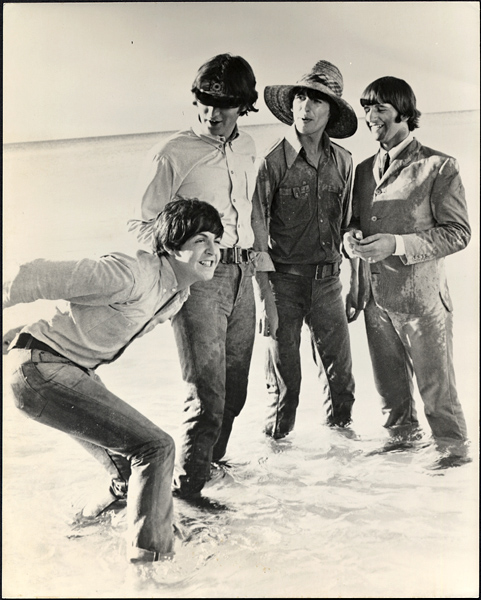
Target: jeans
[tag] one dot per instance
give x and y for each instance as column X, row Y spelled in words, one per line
column 137, row 453
column 319, row 304
column 214, row 333
column 404, row 345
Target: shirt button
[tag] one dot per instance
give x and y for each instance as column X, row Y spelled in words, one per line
column 233, row 199
column 373, row 218
column 377, row 192
column 232, row 172
column 321, row 220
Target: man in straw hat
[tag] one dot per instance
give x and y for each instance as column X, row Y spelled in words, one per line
column 215, row 329
column 411, row 213
column 304, row 191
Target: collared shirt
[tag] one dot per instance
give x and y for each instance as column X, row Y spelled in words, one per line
column 106, row 302
column 378, row 162
column 305, row 207
column 393, row 153
column 210, row 168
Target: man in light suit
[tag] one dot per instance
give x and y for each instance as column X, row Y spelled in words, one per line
column 407, row 216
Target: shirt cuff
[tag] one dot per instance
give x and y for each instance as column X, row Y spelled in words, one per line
column 400, row 247
column 262, row 261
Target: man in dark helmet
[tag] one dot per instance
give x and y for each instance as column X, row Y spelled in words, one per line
column 409, row 212
column 304, row 189
column 214, row 162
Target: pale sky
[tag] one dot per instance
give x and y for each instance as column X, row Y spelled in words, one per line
column 88, row 69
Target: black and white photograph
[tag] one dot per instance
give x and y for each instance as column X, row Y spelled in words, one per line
column 241, row 299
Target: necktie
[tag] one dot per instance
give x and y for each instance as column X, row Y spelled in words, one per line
column 385, row 167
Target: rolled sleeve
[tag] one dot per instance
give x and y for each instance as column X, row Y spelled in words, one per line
column 156, row 185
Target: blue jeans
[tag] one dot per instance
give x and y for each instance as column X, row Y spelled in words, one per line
column 137, row 453
column 319, row 304
column 403, row 345
column 214, row 332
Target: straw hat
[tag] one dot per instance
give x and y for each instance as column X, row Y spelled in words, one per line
column 326, row 78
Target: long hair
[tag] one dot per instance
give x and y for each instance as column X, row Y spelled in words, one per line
column 396, row 92
column 232, row 80
column 180, row 220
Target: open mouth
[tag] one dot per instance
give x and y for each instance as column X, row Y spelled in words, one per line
column 207, row 263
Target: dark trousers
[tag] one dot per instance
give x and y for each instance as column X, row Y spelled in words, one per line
column 319, row 304
column 214, row 333
column 137, row 453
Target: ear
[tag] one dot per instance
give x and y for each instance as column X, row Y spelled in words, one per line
column 172, row 252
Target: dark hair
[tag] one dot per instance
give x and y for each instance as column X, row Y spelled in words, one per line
column 334, row 112
column 180, row 220
column 396, row 92
column 234, row 81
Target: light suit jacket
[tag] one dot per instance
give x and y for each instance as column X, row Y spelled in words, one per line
column 420, row 197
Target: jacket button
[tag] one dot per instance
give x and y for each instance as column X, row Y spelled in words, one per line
column 374, row 218
column 377, row 192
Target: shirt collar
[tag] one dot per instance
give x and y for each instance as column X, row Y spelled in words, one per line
column 169, row 280
column 215, row 139
column 397, row 149
column 294, row 146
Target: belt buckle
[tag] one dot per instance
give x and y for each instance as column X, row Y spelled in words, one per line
column 237, row 255
column 318, row 273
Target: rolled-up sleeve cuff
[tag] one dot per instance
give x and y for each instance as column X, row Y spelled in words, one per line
column 262, row 261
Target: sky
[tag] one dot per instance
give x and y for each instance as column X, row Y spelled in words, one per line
column 76, row 69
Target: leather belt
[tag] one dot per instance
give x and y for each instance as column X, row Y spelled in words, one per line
column 28, row 342
column 320, row 271
column 234, row 255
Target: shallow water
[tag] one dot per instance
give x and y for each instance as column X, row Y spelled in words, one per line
column 314, row 515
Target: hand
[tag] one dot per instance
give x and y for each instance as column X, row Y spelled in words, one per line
column 9, row 337
column 351, row 241
column 355, row 298
column 352, row 306
column 269, row 320
column 376, row 247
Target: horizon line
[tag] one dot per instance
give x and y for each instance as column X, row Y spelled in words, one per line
column 118, row 135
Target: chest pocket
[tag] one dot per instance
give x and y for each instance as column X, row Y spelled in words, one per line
column 293, row 204
column 332, row 201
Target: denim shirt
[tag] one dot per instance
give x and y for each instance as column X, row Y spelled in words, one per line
column 106, row 303
column 305, row 209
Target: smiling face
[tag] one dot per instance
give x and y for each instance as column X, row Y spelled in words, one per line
column 311, row 114
column 217, row 121
column 198, row 257
column 386, row 125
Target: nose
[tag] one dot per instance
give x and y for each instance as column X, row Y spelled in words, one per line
column 305, row 104
column 212, row 247
column 212, row 111
column 371, row 112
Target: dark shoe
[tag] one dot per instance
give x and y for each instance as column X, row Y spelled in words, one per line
column 202, row 502
column 340, row 421
column 448, row 462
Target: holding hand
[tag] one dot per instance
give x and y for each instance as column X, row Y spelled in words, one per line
column 376, row 247
column 351, row 241
column 9, row 337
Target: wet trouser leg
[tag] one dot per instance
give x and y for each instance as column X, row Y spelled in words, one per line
column 401, row 345
column 53, row 391
column 214, row 333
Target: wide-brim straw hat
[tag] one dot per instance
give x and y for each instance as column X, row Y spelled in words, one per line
column 323, row 77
